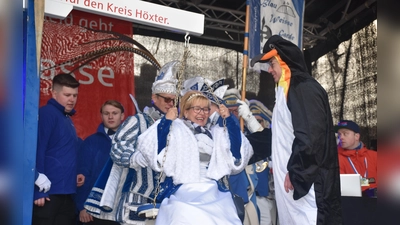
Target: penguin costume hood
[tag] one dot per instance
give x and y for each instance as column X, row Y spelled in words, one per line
column 277, row 46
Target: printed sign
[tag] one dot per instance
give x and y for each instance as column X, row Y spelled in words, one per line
column 107, row 77
column 270, row 17
column 134, row 11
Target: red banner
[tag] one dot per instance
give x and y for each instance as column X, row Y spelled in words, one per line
column 107, row 77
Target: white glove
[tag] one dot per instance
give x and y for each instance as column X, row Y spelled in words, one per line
column 43, row 183
column 137, row 160
column 251, row 122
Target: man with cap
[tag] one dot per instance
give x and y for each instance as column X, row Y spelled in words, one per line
column 230, row 100
column 304, row 151
column 244, row 183
column 354, row 157
column 123, row 184
column 264, row 190
column 257, row 115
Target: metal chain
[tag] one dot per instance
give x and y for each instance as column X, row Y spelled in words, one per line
column 162, row 170
column 181, row 71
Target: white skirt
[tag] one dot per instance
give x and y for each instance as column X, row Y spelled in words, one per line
column 198, row 203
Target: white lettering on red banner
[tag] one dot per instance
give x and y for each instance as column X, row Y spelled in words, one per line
column 107, row 77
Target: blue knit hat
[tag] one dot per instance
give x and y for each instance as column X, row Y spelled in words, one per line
column 347, row 124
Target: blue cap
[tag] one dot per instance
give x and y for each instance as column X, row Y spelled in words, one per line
column 257, row 108
column 347, row 124
column 231, row 96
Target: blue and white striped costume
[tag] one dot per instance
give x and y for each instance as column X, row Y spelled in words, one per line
column 120, row 189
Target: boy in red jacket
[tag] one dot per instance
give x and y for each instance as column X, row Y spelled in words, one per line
column 354, row 157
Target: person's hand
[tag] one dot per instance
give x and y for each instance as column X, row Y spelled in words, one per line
column 137, row 159
column 251, row 122
column 85, row 217
column 43, row 183
column 288, row 184
column 223, row 111
column 243, row 109
column 41, row 201
column 172, row 113
column 80, row 180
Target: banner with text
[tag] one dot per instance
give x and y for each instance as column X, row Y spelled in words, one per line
column 270, row 17
column 104, row 78
column 138, row 12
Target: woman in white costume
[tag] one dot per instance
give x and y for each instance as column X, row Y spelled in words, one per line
column 196, row 159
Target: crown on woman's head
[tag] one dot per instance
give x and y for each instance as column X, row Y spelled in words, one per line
column 214, row 91
column 194, row 95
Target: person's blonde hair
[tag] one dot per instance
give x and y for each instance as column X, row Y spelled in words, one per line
column 189, row 98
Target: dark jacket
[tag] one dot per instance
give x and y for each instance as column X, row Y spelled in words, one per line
column 56, row 149
column 92, row 156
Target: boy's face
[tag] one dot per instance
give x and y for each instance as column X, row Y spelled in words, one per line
column 66, row 97
column 111, row 116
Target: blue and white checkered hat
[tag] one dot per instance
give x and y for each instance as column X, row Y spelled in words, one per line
column 259, row 109
column 231, row 96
